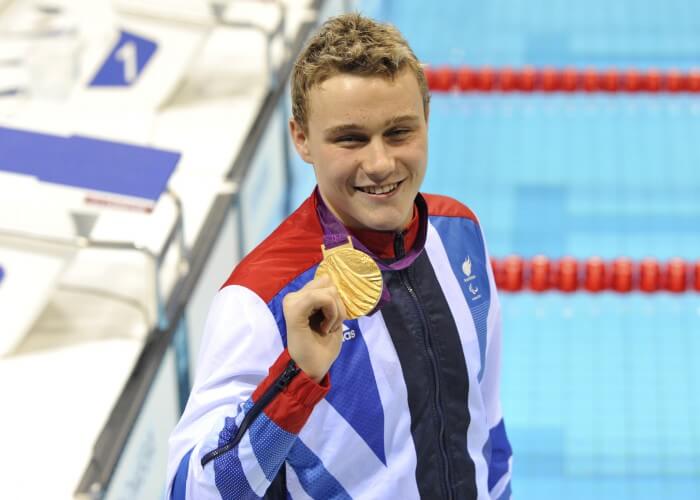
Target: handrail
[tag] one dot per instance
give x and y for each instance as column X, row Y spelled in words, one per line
column 115, row 434
column 156, row 257
column 219, row 11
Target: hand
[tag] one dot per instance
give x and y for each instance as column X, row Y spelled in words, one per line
column 314, row 317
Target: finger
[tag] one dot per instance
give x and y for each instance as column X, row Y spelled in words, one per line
column 319, row 298
column 338, row 328
column 330, row 311
column 342, row 314
column 322, row 281
column 321, row 309
column 314, row 295
column 302, row 295
column 316, row 308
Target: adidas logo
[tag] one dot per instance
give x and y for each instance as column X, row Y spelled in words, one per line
column 348, row 334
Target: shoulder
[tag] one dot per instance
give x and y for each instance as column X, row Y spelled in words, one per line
column 291, row 249
column 444, row 206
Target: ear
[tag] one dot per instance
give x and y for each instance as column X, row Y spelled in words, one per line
column 300, row 140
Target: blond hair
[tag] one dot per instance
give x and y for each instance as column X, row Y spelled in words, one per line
column 352, row 43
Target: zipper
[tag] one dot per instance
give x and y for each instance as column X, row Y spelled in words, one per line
column 399, row 252
column 291, row 371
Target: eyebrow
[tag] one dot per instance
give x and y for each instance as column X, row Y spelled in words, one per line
column 347, row 127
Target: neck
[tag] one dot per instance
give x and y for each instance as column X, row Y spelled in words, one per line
column 384, row 243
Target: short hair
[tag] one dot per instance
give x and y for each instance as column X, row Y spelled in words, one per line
column 352, row 43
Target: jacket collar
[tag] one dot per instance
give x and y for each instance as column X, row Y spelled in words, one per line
column 377, row 244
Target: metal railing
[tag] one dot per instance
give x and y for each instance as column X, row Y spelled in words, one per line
column 175, row 239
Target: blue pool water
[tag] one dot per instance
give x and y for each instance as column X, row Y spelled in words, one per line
column 581, row 175
column 600, row 33
column 601, row 394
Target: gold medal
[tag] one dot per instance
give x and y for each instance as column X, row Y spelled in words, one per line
column 356, row 276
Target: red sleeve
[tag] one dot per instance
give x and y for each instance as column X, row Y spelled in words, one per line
column 291, row 408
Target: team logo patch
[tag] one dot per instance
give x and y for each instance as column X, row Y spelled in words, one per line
column 467, row 267
column 470, row 278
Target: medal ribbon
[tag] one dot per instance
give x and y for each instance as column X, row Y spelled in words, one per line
column 335, row 234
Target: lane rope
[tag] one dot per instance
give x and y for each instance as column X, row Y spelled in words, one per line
column 550, row 80
column 594, row 275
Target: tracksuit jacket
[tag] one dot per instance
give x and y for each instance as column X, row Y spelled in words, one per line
column 410, row 408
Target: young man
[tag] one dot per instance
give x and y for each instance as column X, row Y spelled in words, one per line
column 400, row 403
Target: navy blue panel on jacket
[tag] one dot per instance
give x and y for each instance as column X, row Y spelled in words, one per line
column 429, row 349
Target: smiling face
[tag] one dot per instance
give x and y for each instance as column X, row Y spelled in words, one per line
column 367, row 140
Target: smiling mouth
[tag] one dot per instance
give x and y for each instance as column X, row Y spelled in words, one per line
column 377, row 190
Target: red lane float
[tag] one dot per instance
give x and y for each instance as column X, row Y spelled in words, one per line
column 443, row 79
column 567, row 275
column 513, row 273
column 508, row 80
column 622, row 275
column 694, row 81
column 651, row 81
column 676, row 275
column 539, row 273
column 466, row 79
column 649, row 275
column 551, row 80
column 611, row 80
column 591, row 80
column 485, row 79
column 529, row 79
column 676, row 81
column 569, row 80
column 595, row 278
column 498, row 271
column 632, row 81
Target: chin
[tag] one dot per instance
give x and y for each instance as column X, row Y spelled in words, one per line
column 382, row 225
column 376, row 220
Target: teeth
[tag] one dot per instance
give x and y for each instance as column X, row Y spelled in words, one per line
column 380, row 189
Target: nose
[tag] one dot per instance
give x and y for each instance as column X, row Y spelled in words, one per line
column 379, row 163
